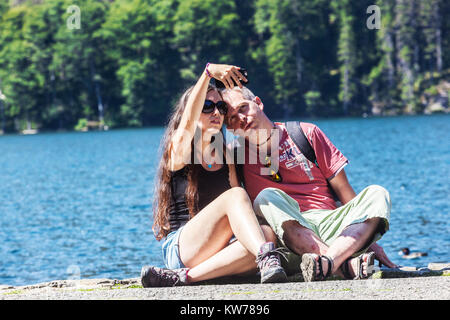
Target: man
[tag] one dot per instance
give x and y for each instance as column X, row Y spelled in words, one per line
column 297, row 201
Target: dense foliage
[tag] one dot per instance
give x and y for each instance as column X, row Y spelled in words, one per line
column 126, row 61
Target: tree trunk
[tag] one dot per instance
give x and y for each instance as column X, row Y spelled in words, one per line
column 97, row 95
column 2, row 111
column 298, row 61
column 405, row 51
column 286, row 108
column 389, row 63
column 437, row 21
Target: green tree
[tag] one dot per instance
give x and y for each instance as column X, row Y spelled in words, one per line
column 137, row 36
column 407, row 50
column 382, row 77
column 131, row 59
column 293, row 33
column 205, row 30
column 79, row 62
column 346, row 53
column 21, row 81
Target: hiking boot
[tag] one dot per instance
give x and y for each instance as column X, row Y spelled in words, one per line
column 159, row 277
column 268, row 260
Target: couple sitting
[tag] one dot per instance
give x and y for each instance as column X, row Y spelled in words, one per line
column 213, row 227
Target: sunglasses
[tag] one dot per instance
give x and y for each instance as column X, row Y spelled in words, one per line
column 275, row 176
column 209, row 107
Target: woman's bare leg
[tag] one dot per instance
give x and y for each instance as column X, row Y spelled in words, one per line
column 205, row 250
column 212, row 228
column 231, row 260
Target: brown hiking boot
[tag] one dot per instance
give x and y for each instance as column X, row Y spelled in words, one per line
column 268, row 260
column 159, row 277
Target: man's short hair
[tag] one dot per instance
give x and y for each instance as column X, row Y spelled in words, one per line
column 246, row 92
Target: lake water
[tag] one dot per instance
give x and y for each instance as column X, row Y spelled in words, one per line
column 78, row 205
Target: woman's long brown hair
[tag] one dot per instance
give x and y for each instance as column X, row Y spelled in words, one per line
column 162, row 191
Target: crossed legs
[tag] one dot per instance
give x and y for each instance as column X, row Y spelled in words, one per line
column 302, row 240
column 300, row 231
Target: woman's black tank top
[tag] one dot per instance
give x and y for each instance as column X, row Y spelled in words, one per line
column 211, row 184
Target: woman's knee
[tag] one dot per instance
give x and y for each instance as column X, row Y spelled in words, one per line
column 235, row 194
column 226, row 203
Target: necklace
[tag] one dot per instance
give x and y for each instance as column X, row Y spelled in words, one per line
column 271, row 134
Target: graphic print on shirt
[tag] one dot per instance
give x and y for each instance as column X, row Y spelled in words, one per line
column 291, row 156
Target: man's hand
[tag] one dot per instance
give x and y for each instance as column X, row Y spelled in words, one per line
column 381, row 256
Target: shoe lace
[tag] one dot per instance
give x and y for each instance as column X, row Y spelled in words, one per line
column 167, row 277
column 271, row 257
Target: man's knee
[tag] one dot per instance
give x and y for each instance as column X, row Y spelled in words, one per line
column 264, row 197
column 380, row 194
column 265, row 194
column 378, row 191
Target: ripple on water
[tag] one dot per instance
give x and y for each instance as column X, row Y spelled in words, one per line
column 79, row 204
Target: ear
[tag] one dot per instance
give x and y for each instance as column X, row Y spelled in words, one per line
column 259, row 102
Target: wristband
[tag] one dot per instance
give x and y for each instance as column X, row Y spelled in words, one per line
column 207, row 72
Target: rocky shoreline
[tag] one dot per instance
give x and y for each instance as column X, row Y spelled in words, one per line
column 407, row 283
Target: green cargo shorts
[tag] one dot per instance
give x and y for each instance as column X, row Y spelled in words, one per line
column 276, row 207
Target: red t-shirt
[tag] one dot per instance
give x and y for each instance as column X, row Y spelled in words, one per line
column 301, row 179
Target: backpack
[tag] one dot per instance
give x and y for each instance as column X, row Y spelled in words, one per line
column 297, row 135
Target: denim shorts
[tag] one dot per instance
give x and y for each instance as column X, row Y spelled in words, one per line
column 171, row 250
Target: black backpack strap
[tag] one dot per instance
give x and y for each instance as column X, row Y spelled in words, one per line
column 298, row 136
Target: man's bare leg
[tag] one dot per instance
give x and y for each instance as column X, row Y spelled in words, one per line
column 300, row 239
column 352, row 239
column 303, row 240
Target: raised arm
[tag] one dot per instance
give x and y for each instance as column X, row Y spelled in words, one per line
column 181, row 141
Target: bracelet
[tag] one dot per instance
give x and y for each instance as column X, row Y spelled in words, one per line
column 207, row 72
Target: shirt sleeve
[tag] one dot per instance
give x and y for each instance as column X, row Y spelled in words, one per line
column 329, row 158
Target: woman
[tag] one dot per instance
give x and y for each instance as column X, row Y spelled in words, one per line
column 200, row 207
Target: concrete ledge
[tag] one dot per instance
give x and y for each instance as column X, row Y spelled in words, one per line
column 403, row 283
column 433, row 269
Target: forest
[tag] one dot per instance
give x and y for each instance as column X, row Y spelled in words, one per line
column 79, row 64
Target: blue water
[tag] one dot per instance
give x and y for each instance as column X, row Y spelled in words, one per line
column 78, row 205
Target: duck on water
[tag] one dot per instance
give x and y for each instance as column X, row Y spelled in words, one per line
column 405, row 253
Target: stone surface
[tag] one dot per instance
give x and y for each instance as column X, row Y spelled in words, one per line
column 439, row 266
column 409, row 283
column 423, row 288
